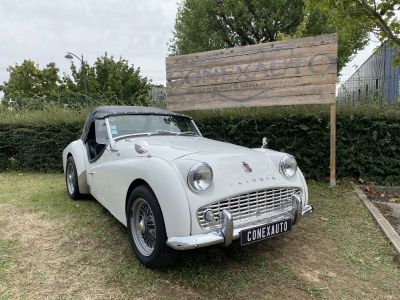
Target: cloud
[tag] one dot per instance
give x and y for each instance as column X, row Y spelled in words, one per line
column 44, row 30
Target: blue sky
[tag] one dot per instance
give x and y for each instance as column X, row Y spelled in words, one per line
column 44, row 30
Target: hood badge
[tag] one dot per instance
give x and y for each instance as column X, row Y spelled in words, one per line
column 246, row 167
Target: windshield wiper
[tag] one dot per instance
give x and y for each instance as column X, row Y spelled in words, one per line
column 127, row 136
column 188, row 133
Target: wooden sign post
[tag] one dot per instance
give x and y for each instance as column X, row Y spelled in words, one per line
column 332, row 165
column 290, row 72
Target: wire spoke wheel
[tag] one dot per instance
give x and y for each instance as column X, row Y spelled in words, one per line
column 143, row 227
column 71, row 178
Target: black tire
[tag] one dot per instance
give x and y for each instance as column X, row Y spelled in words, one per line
column 158, row 254
column 71, row 179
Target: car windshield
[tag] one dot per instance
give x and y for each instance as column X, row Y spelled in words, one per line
column 130, row 125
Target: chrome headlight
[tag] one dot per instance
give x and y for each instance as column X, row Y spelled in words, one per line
column 288, row 166
column 200, row 177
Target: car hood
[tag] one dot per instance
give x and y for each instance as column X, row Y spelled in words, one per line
column 174, row 147
column 236, row 169
column 224, row 158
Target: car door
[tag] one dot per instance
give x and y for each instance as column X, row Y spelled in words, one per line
column 99, row 162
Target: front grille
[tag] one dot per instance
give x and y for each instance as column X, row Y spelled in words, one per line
column 249, row 206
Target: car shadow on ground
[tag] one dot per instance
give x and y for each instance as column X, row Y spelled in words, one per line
column 212, row 257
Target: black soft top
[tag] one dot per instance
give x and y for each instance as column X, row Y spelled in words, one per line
column 101, row 112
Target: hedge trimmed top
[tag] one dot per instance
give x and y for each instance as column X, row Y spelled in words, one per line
column 368, row 138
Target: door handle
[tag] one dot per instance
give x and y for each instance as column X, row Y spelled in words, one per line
column 91, row 172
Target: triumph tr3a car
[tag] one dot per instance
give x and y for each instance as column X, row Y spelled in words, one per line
column 176, row 190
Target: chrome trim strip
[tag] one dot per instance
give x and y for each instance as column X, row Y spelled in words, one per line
column 227, row 229
column 197, row 128
column 308, row 209
column 227, row 233
column 259, row 204
column 297, row 208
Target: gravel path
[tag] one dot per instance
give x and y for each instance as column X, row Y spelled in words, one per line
column 387, row 200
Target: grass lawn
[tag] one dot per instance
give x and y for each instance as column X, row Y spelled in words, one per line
column 53, row 247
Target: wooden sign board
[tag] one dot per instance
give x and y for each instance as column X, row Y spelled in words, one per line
column 289, row 72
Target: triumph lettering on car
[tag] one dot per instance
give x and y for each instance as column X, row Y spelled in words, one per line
column 175, row 189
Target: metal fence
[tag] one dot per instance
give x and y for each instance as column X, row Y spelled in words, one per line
column 156, row 97
column 370, row 88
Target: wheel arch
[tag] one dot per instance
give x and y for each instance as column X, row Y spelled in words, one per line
column 77, row 150
column 165, row 185
column 161, row 254
column 134, row 184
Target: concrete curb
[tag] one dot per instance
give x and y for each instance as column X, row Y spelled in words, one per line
column 387, row 228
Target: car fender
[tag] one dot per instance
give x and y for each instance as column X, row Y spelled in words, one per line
column 276, row 157
column 164, row 181
column 78, row 151
column 305, row 188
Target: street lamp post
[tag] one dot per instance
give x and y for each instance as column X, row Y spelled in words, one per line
column 71, row 56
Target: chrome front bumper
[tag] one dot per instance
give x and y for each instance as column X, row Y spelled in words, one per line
column 228, row 233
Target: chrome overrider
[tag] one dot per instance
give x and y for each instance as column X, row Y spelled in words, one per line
column 227, row 233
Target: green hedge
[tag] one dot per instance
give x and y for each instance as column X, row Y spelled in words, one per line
column 368, row 142
column 368, row 138
column 35, row 140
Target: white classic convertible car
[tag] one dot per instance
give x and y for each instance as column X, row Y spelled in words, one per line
column 176, row 190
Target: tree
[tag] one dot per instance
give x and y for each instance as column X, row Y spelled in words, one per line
column 194, row 30
column 213, row 24
column 328, row 17
column 110, row 80
column 28, row 80
column 384, row 16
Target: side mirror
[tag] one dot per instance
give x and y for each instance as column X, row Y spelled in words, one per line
column 264, row 143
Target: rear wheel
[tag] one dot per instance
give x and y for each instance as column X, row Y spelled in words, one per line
column 71, row 179
column 146, row 229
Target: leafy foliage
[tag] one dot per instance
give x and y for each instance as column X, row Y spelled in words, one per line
column 214, row 24
column 108, row 81
column 113, row 80
column 194, row 30
column 368, row 143
column 28, row 80
column 383, row 15
column 328, row 17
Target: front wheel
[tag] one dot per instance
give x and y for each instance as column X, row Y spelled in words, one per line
column 71, row 179
column 146, row 229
